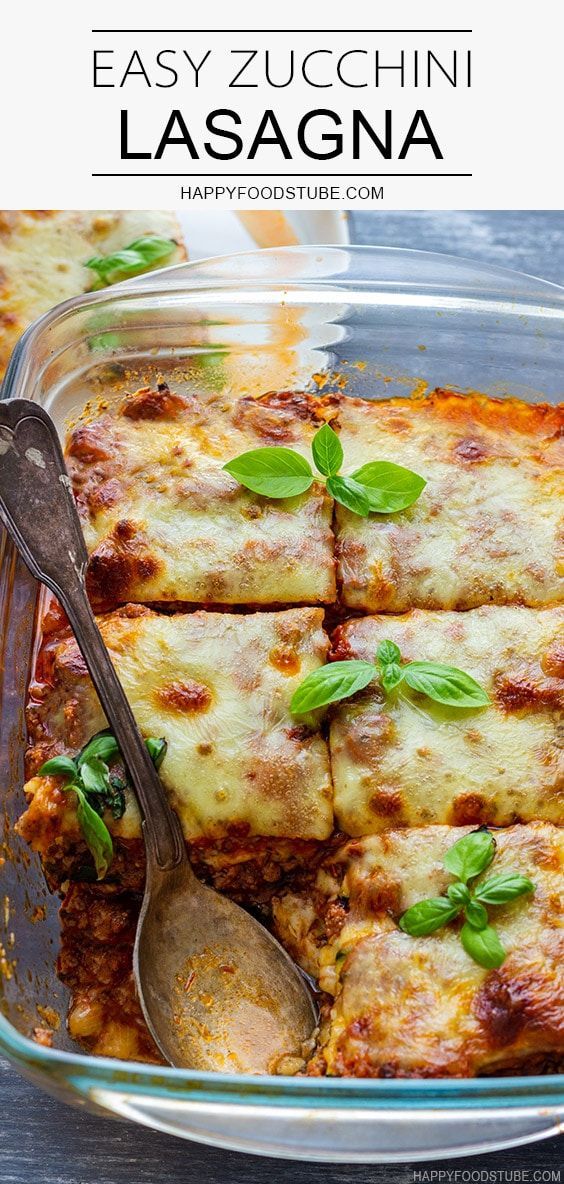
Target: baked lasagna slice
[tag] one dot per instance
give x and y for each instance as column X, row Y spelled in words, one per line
column 43, row 255
column 240, row 772
column 488, row 527
column 400, row 759
column 164, row 522
column 403, row 1006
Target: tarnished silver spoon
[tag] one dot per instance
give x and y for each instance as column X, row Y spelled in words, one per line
column 217, row 990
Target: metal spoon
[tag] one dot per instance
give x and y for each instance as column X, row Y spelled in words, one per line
column 217, row 990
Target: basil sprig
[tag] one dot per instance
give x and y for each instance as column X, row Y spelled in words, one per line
column 139, row 256
column 470, row 856
column 98, row 788
column 339, row 680
column 378, row 486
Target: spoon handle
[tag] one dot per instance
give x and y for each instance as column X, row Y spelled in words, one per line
column 38, row 510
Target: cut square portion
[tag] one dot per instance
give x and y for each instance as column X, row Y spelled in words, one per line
column 217, row 687
column 488, row 527
column 420, row 1006
column 403, row 760
column 164, row 522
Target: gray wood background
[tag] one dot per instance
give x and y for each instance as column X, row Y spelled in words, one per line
column 45, row 1142
column 526, row 240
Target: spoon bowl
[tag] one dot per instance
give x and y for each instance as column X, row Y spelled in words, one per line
column 217, row 990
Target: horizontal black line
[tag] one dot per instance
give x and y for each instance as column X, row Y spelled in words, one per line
column 283, row 180
column 324, row 33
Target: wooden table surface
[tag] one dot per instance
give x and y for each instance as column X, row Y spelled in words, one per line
column 525, row 240
column 45, row 1142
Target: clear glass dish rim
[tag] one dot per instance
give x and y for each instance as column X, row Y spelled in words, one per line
column 85, row 1071
column 190, row 280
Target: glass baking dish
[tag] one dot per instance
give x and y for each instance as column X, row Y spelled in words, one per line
column 375, row 322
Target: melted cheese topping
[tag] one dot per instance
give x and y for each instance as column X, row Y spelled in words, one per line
column 488, row 527
column 402, row 760
column 43, row 252
column 218, row 688
column 409, row 1007
column 163, row 522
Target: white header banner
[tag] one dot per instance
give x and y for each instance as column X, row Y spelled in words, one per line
column 122, row 105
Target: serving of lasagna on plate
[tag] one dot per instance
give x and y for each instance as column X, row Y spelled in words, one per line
column 216, row 604
column 45, row 257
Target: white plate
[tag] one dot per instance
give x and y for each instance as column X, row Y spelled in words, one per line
column 220, row 232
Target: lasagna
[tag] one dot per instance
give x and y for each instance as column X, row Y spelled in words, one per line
column 215, row 604
column 402, row 760
column 164, row 522
column 217, row 686
column 403, row 1006
column 488, row 527
column 43, row 255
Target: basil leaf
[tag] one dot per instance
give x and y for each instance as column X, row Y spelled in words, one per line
column 103, row 745
column 272, row 472
column 96, row 834
column 95, row 776
column 476, row 914
column 139, row 256
column 58, row 766
column 327, row 451
column 427, row 916
column 483, row 945
column 157, row 750
column 503, row 887
column 337, row 680
column 350, row 494
column 116, row 802
column 445, row 684
column 389, row 487
column 388, row 652
column 458, row 894
column 391, row 676
column 471, row 855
